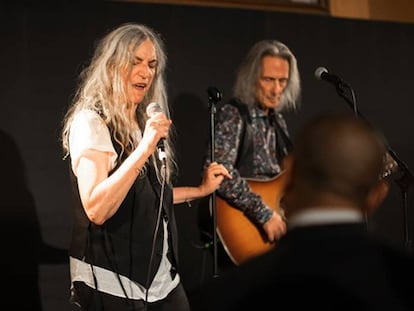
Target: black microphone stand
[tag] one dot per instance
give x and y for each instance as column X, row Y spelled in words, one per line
column 214, row 96
column 406, row 178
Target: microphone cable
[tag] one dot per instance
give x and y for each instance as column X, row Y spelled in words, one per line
column 154, row 237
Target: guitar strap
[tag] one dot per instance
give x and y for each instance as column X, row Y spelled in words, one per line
column 284, row 143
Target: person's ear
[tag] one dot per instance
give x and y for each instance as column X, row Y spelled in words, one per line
column 377, row 196
column 287, row 162
column 287, row 171
column 288, row 200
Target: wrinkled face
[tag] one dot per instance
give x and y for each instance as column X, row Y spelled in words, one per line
column 272, row 81
column 142, row 73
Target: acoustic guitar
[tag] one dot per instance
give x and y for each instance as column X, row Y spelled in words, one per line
column 240, row 237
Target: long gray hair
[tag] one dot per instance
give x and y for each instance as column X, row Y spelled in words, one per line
column 250, row 70
column 102, row 88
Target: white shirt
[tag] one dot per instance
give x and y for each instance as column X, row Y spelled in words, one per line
column 89, row 131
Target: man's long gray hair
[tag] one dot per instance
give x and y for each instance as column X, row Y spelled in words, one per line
column 250, row 70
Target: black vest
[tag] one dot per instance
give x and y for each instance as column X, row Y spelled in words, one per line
column 123, row 244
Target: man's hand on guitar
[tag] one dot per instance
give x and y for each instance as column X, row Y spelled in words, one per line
column 275, row 227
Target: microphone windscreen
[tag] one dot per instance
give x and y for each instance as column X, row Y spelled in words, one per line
column 214, row 93
column 152, row 109
column 319, row 71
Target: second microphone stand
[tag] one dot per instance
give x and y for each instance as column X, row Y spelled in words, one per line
column 406, row 178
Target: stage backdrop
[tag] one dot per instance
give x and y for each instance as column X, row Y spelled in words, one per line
column 44, row 47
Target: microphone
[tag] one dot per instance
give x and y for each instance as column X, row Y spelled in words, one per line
column 214, row 94
column 151, row 110
column 321, row 73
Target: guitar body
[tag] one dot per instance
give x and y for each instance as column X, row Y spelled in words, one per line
column 241, row 238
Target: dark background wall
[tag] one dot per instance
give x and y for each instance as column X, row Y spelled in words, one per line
column 43, row 48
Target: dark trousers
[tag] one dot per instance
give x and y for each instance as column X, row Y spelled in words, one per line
column 90, row 299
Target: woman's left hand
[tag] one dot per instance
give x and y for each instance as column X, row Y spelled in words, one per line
column 212, row 178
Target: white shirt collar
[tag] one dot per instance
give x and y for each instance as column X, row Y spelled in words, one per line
column 324, row 216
